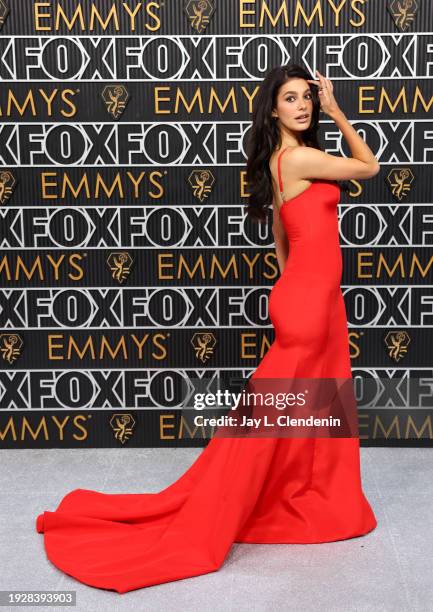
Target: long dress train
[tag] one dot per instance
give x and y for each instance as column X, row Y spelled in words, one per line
column 257, row 490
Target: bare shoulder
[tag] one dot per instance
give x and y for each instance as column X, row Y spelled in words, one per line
column 297, row 155
column 312, row 163
column 299, row 162
column 301, row 154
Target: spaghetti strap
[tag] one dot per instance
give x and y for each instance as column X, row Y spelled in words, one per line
column 280, row 182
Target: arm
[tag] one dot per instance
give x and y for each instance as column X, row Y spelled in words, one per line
column 280, row 238
column 308, row 162
column 360, row 150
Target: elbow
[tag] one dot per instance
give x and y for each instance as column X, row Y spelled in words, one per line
column 375, row 169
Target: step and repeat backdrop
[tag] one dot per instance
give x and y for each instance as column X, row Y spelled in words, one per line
column 128, row 266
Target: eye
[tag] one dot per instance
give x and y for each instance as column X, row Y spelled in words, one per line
column 309, row 95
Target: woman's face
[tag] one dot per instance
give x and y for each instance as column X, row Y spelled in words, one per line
column 294, row 99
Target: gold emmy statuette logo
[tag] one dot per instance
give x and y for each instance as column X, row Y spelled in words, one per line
column 403, row 12
column 122, row 425
column 397, row 343
column 4, row 12
column 400, row 180
column 115, row 98
column 201, row 182
column 203, row 344
column 7, row 184
column 10, row 346
column 120, row 265
column 199, row 13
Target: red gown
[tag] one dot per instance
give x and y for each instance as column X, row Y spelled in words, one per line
column 256, row 490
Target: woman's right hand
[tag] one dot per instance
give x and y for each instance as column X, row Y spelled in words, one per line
column 328, row 103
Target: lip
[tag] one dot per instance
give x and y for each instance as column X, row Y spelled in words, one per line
column 304, row 120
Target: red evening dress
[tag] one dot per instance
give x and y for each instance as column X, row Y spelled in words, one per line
column 255, row 490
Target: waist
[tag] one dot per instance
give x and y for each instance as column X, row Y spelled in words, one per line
column 315, row 263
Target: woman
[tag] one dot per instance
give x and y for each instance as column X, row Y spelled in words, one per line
column 250, row 489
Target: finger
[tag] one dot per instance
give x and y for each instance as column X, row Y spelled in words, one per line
column 325, row 81
column 325, row 85
column 321, row 77
column 329, row 85
column 322, row 81
column 322, row 86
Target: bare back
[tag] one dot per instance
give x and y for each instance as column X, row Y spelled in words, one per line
column 285, row 181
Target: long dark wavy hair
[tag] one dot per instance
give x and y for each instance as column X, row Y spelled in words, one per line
column 265, row 137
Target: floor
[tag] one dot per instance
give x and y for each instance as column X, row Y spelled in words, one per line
column 389, row 569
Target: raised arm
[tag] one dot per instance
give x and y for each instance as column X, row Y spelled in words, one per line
column 311, row 163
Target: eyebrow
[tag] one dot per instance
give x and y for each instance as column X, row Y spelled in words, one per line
column 291, row 91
